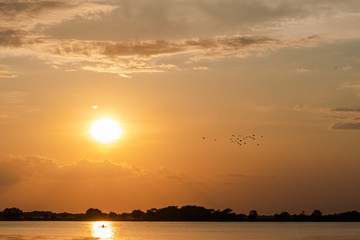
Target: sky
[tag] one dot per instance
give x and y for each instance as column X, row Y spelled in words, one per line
column 183, row 79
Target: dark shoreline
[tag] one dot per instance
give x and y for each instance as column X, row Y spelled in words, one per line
column 177, row 214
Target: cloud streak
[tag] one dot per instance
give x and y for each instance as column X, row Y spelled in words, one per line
column 26, row 14
column 11, row 38
column 31, row 25
column 346, row 126
column 15, row 169
column 148, row 49
column 5, row 72
column 174, row 19
column 346, row 109
column 124, row 58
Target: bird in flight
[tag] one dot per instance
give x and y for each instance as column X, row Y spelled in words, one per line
column 241, row 141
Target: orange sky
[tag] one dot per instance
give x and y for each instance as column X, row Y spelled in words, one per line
column 172, row 73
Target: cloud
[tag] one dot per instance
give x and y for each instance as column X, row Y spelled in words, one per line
column 11, row 10
column 124, row 58
column 302, row 70
column 301, row 107
column 26, row 14
column 130, row 57
column 201, row 68
column 26, row 23
column 349, row 114
column 30, row 24
column 177, row 19
column 153, row 48
column 346, row 109
column 15, row 169
column 5, row 72
column 346, row 68
column 92, row 169
column 346, row 126
column 11, row 37
column 174, row 19
column 352, row 85
column 163, row 172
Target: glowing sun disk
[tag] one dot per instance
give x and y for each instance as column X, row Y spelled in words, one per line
column 105, row 130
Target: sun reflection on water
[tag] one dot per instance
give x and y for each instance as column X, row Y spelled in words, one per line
column 102, row 230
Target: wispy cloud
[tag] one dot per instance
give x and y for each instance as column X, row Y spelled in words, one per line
column 201, row 68
column 174, row 19
column 5, row 72
column 350, row 115
column 346, row 126
column 197, row 24
column 346, row 68
column 187, row 19
column 346, row 109
column 26, row 14
column 15, row 169
column 302, row 69
column 352, row 85
column 301, row 107
column 347, row 117
column 124, row 58
column 12, row 38
column 147, row 49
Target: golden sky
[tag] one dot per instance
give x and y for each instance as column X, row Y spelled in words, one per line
column 176, row 75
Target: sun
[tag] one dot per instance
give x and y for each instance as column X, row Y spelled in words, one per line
column 105, row 130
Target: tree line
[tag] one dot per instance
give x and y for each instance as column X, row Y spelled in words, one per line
column 174, row 213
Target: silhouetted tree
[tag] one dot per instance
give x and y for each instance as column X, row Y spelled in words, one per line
column 300, row 217
column 150, row 214
column 241, row 217
column 112, row 215
column 138, row 214
column 195, row 213
column 253, row 215
column 174, row 213
column 227, row 211
column 349, row 216
column 94, row 213
column 228, row 215
column 284, row 216
column 53, row 216
column 167, row 214
column 316, row 213
column 125, row 217
column 12, row 213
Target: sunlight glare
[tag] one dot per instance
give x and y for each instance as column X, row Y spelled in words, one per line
column 105, row 130
column 102, row 230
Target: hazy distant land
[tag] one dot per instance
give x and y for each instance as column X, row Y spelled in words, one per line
column 174, row 213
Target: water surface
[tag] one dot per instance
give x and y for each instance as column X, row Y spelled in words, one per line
column 178, row 231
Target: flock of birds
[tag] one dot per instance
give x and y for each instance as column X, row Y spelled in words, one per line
column 240, row 140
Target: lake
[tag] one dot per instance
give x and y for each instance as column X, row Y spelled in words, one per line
column 178, row 231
